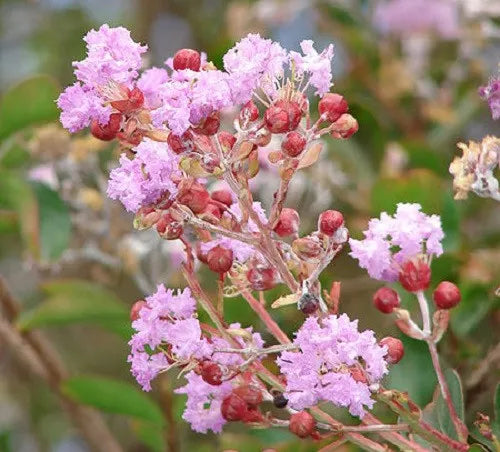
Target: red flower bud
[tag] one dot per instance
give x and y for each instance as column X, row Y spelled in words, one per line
column 251, row 394
column 195, row 196
column 212, row 213
column 345, row 127
column 447, row 295
column 249, row 112
column 263, row 138
column 294, row 112
column 308, row 303
column 288, row 223
column 209, row 126
column 294, row 144
column 333, row 106
column 169, row 228
column 395, row 349
column 276, row 119
column 211, row 373
column 261, row 278
column 357, row 374
column 386, row 299
column 233, row 408
column 223, row 196
column 202, row 257
column 329, row 221
column 180, row 144
column 415, row 276
column 136, row 99
column 307, row 248
column 136, row 307
column 220, row 259
column 226, row 140
column 187, row 59
column 302, row 424
column 108, row 131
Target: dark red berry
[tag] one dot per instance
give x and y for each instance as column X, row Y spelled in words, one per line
column 302, row 424
column 333, row 106
column 187, row 59
column 330, row 221
column 395, row 349
column 386, row 299
column 447, row 295
column 106, row 132
column 279, row 400
column 293, row 144
column 220, row 259
column 415, row 276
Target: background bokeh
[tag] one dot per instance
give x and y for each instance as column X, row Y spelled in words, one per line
column 73, row 262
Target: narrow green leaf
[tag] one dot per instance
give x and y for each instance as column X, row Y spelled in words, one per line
column 29, row 102
column 455, row 386
column 54, row 222
column 74, row 301
column 115, row 397
column 477, row 448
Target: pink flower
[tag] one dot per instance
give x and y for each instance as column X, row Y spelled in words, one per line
column 150, row 84
column 111, row 55
column 317, row 65
column 403, row 17
column 491, row 93
column 252, row 62
column 79, row 106
column 391, row 241
column 319, row 370
column 144, row 179
column 203, row 406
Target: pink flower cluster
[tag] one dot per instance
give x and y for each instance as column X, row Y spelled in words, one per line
column 335, row 362
column 393, row 240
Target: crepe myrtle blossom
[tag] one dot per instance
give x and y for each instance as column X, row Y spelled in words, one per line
column 390, row 241
column 491, row 94
column 322, row 368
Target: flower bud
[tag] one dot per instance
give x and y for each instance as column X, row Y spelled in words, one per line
column 106, row 132
column 294, row 112
column 223, row 196
column 187, row 59
column 136, row 98
column 180, row 144
column 136, row 308
column 253, row 415
column 447, row 295
column 262, row 138
column 209, row 126
column 261, row 277
column 233, row 408
column 226, row 140
column 168, row 227
column 345, row 127
column 308, row 303
column 202, row 256
column 146, row 217
column 357, row 374
column 249, row 112
column 288, row 223
column 415, row 276
column 220, row 259
column 211, row 373
column 279, row 400
column 395, row 349
column 293, row 144
column 251, row 394
column 212, row 213
column 276, row 119
column 307, row 248
column 333, row 106
column 195, row 196
column 329, row 221
column 302, row 424
column 386, row 299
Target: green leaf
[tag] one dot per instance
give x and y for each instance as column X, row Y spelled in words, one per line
column 455, row 386
column 450, row 219
column 74, row 301
column 151, row 435
column 115, row 397
column 495, row 424
column 29, row 102
column 414, row 373
column 416, row 186
column 54, row 222
column 477, row 448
